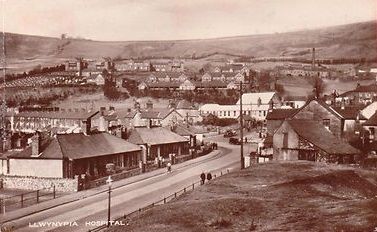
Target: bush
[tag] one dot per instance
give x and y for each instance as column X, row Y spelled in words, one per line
column 216, row 121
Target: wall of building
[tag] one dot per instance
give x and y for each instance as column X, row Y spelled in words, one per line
column 315, row 111
column 174, row 116
column 4, row 166
column 36, row 167
column 35, row 183
column 281, row 152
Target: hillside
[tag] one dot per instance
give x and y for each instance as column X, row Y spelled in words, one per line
column 290, row 196
column 353, row 40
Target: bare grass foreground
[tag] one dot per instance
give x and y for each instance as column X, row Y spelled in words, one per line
column 276, row 196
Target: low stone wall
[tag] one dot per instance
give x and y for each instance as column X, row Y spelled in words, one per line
column 35, row 183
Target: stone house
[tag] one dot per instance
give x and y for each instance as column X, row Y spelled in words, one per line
column 302, row 139
column 324, row 114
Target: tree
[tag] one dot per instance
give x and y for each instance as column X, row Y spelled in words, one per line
column 110, row 91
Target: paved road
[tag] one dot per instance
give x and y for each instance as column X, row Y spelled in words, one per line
column 84, row 214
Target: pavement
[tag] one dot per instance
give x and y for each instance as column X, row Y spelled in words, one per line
column 20, row 213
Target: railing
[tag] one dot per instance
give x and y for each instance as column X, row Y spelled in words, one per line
column 160, row 202
column 26, row 199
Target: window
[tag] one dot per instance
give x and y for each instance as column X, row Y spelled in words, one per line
column 371, row 133
column 264, row 113
column 228, row 113
column 285, row 140
column 326, row 123
column 234, row 113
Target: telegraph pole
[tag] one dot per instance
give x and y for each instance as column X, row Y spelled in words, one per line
column 3, row 105
column 241, row 128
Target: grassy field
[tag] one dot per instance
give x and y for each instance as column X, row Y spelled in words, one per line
column 299, row 86
column 343, row 85
column 98, row 100
column 290, row 196
column 296, row 86
column 353, row 40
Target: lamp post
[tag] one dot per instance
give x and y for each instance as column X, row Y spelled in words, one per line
column 109, row 182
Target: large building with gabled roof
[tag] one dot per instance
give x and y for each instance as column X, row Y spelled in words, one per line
column 67, row 155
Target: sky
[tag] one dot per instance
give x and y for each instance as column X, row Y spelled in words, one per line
column 121, row 20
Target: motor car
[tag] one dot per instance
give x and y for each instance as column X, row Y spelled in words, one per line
column 230, row 133
column 235, row 140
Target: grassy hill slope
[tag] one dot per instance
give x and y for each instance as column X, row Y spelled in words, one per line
column 290, row 196
column 353, row 40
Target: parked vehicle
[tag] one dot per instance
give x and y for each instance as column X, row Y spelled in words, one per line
column 230, row 133
column 235, row 140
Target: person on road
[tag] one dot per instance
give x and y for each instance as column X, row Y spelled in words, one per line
column 169, row 167
column 202, row 177
column 209, row 176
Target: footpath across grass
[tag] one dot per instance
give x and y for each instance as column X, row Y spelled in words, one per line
column 284, row 196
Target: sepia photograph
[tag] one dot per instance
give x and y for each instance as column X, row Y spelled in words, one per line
column 188, row 115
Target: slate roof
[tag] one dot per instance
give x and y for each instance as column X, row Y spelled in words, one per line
column 295, row 98
column 156, row 113
column 181, row 130
column 154, row 136
column 366, row 88
column 252, row 98
column 322, row 138
column 164, row 84
column 372, row 121
column 280, row 114
column 210, row 84
column 184, row 104
column 57, row 114
column 350, row 112
column 79, row 146
column 322, row 103
column 168, row 74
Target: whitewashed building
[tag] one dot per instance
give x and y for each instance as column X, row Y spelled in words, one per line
column 256, row 105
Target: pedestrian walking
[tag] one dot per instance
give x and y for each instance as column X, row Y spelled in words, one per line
column 202, row 177
column 209, row 176
column 159, row 162
column 169, row 167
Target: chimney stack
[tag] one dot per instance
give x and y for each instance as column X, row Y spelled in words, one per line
column 35, row 145
column 313, row 58
column 149, row 104
column 102, row 110
column 343, row 104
